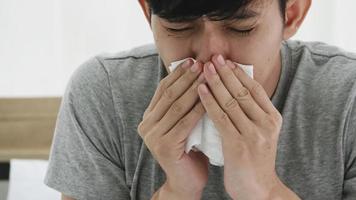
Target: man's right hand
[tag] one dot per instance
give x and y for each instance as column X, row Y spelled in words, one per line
column 173, row 112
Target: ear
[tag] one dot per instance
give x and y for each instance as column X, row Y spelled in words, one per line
column 146, row 10
column 296, row 10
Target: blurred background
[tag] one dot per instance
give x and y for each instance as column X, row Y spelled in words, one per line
column 43, row 41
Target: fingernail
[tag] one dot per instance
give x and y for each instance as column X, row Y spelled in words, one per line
column 243, row 92
column 195, row 67
column 187, row 64
column 221, row 60
column 211, row 68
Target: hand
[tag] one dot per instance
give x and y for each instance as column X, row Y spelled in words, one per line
column 173, row 112
column 249, row 125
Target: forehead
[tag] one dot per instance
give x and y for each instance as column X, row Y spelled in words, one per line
column 257, row 6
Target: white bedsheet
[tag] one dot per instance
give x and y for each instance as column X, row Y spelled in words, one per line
column 26, row 181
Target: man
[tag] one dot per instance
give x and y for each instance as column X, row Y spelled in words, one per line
column 289, row 133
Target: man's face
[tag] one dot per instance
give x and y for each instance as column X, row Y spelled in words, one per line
column 202, row 38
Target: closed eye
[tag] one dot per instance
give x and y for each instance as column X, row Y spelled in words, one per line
column 241, row 32
column 178, row 29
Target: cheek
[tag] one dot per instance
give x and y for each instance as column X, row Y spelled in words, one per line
column 170, row 50
column 270, row 46
column 260, row 48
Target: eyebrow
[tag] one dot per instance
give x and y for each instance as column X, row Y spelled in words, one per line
column 245, row 14
column 237, row 16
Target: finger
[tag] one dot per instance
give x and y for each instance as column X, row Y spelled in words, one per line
column 172, row 93
column 220, row 119
column 147, row 124
column 237, row 90
column 181, row 106
column 256, row 90
column 184, row 127
column 168, row 81
column 227, row 102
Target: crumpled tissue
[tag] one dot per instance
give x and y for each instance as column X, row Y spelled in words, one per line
column 205, row 137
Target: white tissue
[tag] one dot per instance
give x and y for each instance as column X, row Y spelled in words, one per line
column 205, row 137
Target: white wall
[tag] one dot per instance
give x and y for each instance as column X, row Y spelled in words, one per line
column 331, row 21
column 43, row 41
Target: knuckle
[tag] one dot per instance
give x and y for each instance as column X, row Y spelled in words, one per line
column 232, row 104
column 145, row 114
column 221, row 118
column 183, row 123
column 147, row 138
column 177, row 108
column 242, row 93
column 175, row 130
column 199, row 108
column 278, row 121
column 168, row 94
column 272, row 120
column 278, row 117
column 140, row 129
column 257, row 89
column 164, row 83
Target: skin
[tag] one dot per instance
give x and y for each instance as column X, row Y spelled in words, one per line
column 260, row 48
column 239, row 106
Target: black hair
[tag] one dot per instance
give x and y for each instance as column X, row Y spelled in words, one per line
column 186, row 10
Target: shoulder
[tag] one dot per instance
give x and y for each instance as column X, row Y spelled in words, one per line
column 108, row 69
column 319, row 49
column 124, row 82
column 139, row 52
column 109, row 62
column 323, row 60
column 135, row 60
column 324, row 78
column 324, row 67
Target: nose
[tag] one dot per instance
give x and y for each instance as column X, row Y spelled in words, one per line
column 209, row 42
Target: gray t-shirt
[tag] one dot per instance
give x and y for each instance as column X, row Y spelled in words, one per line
column 98, row 154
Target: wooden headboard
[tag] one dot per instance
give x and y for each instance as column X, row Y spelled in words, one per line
column 26, row 127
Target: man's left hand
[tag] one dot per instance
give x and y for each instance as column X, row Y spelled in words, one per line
column 249, row 126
